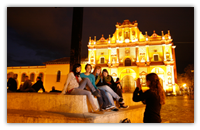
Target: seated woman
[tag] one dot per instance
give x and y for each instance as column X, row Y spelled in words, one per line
column 75, row 85
column 103, row 100
column 102, row 85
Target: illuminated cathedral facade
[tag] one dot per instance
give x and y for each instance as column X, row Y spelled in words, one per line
column 128, row 54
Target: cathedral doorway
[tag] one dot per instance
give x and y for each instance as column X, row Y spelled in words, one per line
column 128, row 83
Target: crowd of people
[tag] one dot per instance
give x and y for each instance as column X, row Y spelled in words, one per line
column 101, row 85
column 26, row 86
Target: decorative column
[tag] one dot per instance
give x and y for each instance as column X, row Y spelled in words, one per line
column 130, row 37
column 136, row 35
column 173, row 83
column 164, row 52
column 147, row 53
column 109, row 56
column 117, row 49
column 122, row 34
column 171, row 53
column 137, row 55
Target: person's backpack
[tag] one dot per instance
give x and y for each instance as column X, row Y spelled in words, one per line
column 126, row 121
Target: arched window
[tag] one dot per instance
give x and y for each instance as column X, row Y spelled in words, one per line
column 58, row 76
column 23, row 77
column 127, row 62
column 41, row 75
column 102, row 60
column 32, row 77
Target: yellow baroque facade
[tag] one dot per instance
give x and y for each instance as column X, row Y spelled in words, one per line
column 128, row 54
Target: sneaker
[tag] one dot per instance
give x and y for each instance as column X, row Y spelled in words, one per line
column 123, row 106
column 115, row 109
column 95, row 93
column 110, row 107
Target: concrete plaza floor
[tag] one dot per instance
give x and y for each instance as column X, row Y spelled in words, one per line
column 178, row 109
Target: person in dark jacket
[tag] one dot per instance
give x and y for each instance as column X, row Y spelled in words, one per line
column 108, row 80
column 38, row 85
column 153, row 98
column 11, row 84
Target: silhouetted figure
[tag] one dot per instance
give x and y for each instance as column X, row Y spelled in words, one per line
column 54, row 90
column 38, row 85
column 11, row 84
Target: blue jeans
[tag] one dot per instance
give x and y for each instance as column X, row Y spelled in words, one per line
column 110, row 94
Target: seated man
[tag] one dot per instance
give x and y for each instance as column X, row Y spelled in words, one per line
column 38, row 85
column 11, row 84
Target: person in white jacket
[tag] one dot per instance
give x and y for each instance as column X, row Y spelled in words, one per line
column 75, row 85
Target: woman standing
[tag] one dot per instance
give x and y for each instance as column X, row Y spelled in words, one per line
column 103, row 100
column 74, row 85
column 153, row 98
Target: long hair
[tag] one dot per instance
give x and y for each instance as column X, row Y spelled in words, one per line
column 95, row 70
column 156, row 87
column 74, row 69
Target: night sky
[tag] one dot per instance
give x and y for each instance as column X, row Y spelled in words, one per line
column 39, row 34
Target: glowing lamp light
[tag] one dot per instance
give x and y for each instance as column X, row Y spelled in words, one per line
column 127, row 40
column 146, row 39
column 94, row 42
column 184, row 85
column 163, row 38
column 169, row 37
column 108, row 41
column 120, row 41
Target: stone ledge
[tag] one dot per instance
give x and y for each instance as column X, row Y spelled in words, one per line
column 134, row 113
column 49, row 102
column 56, row 103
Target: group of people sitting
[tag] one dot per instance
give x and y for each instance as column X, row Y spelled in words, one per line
column 26, row 87
column 101, row 84
column 94, row 83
